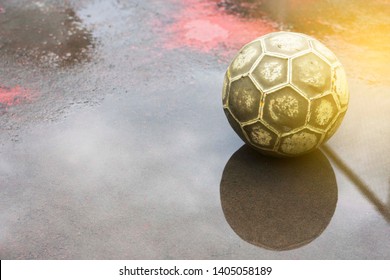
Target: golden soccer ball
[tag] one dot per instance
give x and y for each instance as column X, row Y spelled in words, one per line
column 285, row 94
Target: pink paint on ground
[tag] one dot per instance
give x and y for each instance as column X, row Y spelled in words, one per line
column 202, row 26
column 14, row 96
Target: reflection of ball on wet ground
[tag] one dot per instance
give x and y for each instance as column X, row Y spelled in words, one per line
column 285, row 93
column 275, row 213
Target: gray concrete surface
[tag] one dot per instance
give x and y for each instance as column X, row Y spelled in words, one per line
column 117, row 150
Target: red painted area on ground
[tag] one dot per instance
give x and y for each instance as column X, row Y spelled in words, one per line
column 200, row 25
column 14, row 96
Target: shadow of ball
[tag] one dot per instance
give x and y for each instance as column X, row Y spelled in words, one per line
column 278, row 204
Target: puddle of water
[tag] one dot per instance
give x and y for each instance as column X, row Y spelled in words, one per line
column 43, row 33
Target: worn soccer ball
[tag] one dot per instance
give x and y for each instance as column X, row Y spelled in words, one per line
column 285, row 94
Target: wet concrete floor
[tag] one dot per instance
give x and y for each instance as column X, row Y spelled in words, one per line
column 114, row 144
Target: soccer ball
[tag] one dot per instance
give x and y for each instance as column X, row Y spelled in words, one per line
column 285, row 94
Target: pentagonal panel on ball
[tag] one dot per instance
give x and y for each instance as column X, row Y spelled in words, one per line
column 271, row 72
column 323, row 111
column 311, row 74
column 340, row 85
column 285, row 109
column 259, row 135
column 234, row 124
column 244, row 60
column 300, row 142
column 244, row 99
column 321, row 49
column 286, row 43
column 225, row 88
column 335, row 126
